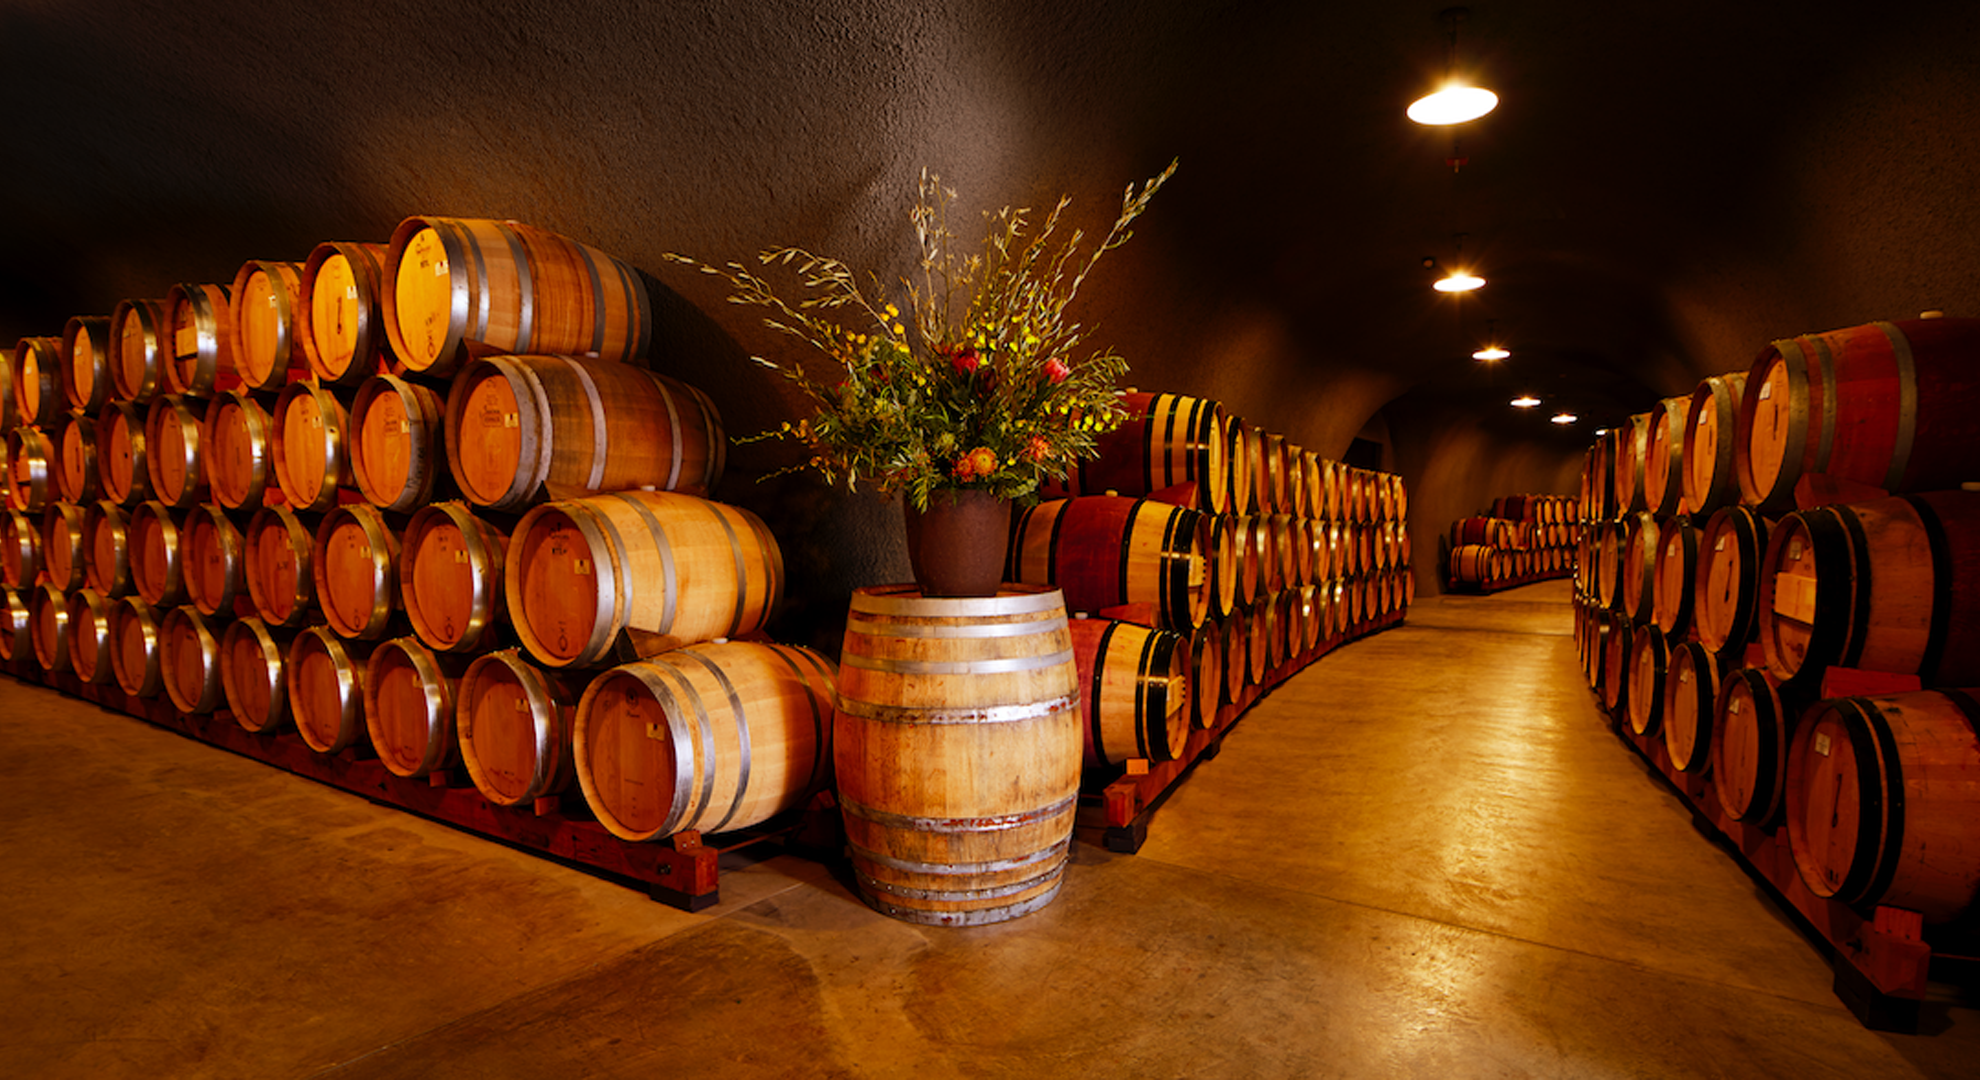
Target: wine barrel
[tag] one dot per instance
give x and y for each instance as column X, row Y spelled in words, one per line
column 1891, row 405
column 1731, row 549
column 1641, row 542
column 141, row 342
column 90, row 643
column 1472, row 565
column 1236, row 633
column 1753, row 725
column 85, row 359
column 1226, row 573
column 712, row 737
column 1712, row 423
column 510, row 287
column 326, row 690
column 928, row 690
column 341, row 319
column 253, row 661
column 200, row 361
column 356, row 564
column 311, row 427
column 1205, row 672
column 1250, row 551
column 1675, row 577
column 1104, row 551
column 1276, row 480
column 76, row 473
column 156, row 553
column 36, row 391
column 1632, row 448
column 121, row 464
column 215, row 561
column 1649, row 663
column 1619, row 648
column 16, row 625
column 1691, row 692
column 409, row 706
column 48, row 627
column 396, row 449
column 1167, row 439
column 514, row 721
column 267, row 348
column 105, row 538
column 1887, row 585
column 1882, row 808
column 1261, row 627
column 31, row 467
column 172, row 450
column 450, row 578
column 64, row 558
column 279, row 578
column 673, row 566
column 516, row 425
column 189, row 658
column 235, row 449
column 1663, row 457
column 1133, row 685
column 134, row 652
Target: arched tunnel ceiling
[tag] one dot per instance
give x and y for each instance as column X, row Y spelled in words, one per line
column 1663, row 189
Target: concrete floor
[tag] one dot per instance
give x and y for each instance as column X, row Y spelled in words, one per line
column 1423, row 856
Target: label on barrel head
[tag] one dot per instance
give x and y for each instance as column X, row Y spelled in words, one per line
column 1766, row 390
column 1684, row 676
column 1721, row 545
column 1822, row 743
column 1733, row 706
column 580, row 566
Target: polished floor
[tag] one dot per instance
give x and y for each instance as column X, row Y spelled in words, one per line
column 1422, row 856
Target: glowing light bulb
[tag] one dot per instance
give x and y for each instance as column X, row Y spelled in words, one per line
column 1453, row 104
column 1565, row 418
column 1525, row 401
column 1490, row 352
column 1459, row 281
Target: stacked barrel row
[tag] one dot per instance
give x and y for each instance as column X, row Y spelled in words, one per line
column 1792, row 531
column 1211, row 558
column 1525, row 538
column 320, row 496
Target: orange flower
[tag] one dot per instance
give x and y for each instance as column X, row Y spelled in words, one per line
column 1038, row 449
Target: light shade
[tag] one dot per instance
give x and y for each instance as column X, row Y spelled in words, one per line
column 1453, row 105
column 1565, row 418
column 1490, row 352
column 1458, row 281
column 1525, row 401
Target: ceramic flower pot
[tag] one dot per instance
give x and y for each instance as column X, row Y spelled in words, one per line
column 957, row 545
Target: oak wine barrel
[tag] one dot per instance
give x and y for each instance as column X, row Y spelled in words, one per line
column 450, row 577
column 64, row 558
column 134, row 647
column 325, row 677
column 16, row 625
column 48, row 622
column 1663, row 457
column 173, row 450
column 77, row 476
column 156, row 550
column 215, row 561
column 189, row 657
column 409, row 695
column 37, row 391
column 253, row 662
column 1731, row 549
column 355, row 560
column 201, row 359
column 1104, row 551
column 1649, row 663
column 279, row 577
column 122, row 468
column 1133, row 691
column 268, row 352
column 235, row 446
column 340, row 320
column 513, row 720
column 105, row 538
column 141, row 344
column 310, row 448
column 31, row 468
column 85, row 359
column 1691, row 693
column 1641, row 543
column 928, row 691
column 1712, row 424
column 1167, row 439
column 1753, row 725
column 397, row 453
column 1675, row 576
column 90, row 643
column 1206, row 675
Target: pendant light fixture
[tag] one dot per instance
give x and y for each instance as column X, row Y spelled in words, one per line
column 1492, row 350
column 1457, row 279
column 1565, row 418
column 1525, row 401
column 1456, row 101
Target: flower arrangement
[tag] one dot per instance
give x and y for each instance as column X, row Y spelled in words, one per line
column 977, row 387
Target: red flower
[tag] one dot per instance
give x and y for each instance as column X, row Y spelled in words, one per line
column 1038, row 449
column 1056, row 370
column 965, row 358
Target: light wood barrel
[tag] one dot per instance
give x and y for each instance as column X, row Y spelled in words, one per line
column 1237, row 462
column 16, row 625
column 253, row 662
column 514, row 722
column 279, row 577
column 121, row 461
column 341, row 320
column 77, row 477
column 930, row 691
column 267, row 349
column 1663, row 457
column 48, row 622
column 201, row 360
column 36, row 390
column 1223, row 567
column 106, row 539
column 31, row 468
column 673, row 566
column 215, row 562
column 1731, row 548
column 1632, row 447
column 189, row 657
column 173, row 450
column 1753, row 725
column 1251, row 547
column 1713, row 421
column 518, row 424
column 1133, row 690
column 1471, row 564
column 90, row 644
column 1167, row 439
column 157, row 548
column 1691, row 692
column 85, row 358
column 236, row 446
column 1105, row 551
column 1206, row 675
column 141, row 339
column 712, row 737
column 1235, row 634
column 409, row 706
column 134, row 647
column 397, row 454
column 326, row 690
column 1649, row 663
column 1882, row 807
column 356, row 564
column 1676, row 577
column 1619, row 648
column 310, row 446
column 64, row 558
column 1641, row 544
column 1263, row 620
column 512, row 287
column 450, row 578
column 1890, row 405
